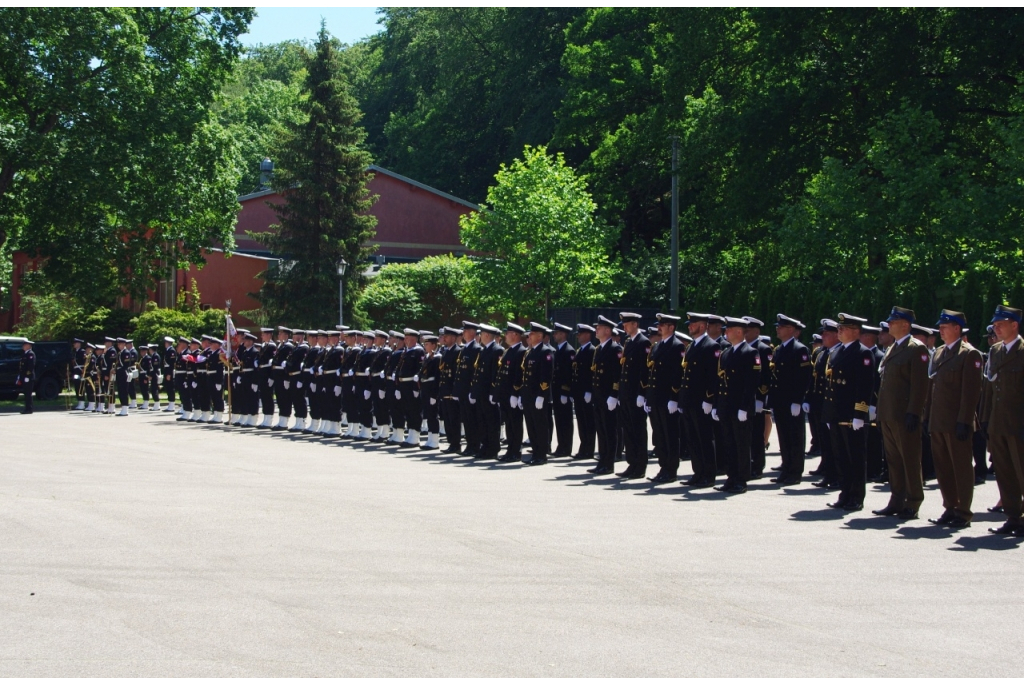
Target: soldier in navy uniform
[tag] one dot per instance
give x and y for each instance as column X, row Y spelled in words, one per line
column 791, row 370
column 133, row 372
column 875, row 451
column 538, row 368
column 361, row 386
column 378, row 386
column 397, row 340
column 168, row 358
column 450, row 410
column 758, row 445
column 179, row 375
column 632, row 416
column 508, row 386
column 561, row 385
column 27, row 374
column 311, row 374
column 849, row 382
column 215, row 379
column 462, row 387
column 295, row 382
column 108, row 375
column 606, row 370
column 664, row 381
column 430, row 383
column 77, row 376
column 279, row 378
column 816, row 402
column 485, row 374
column 264, row 375
column 739, row 374
column 122, row 369
column 697, row 398
column 145, row 373
column 583, row 391
column 247, row 402
column 407, row 391
column 329, row 379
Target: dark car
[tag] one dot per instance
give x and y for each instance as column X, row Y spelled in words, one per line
column 52, row 362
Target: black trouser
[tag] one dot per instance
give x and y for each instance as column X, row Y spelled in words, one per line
column 79, row 384
column 201, row 392
column 814, row 426
column 736, row 436
column 471, row 422
column 313, row 393
column 828, row 468
column 606, row 426
column 300, row 382
column 927, row 462
column 665, row 430
column 792, row 439
column 757, row 451
column 183, row 385
column 490, row 414
column 563, row 424
column 364, row 400
column 216, row 394
column 122, row 387
column 28, row 388
column 266, row 391
column 700, row 435
column 379, row 404
column 980, row 447
column 89, row 389
column 634, row 433
column 513, row 418
column 394, row 407
column 586, row 421
column 409, row 405
column 452, row 411
column 849, row 447
column 247, row 399
column 876, row 465
column 429, row 406
column 281, row 393
column 154, row 387
column 170, row 388
column 131, row 389
column 538, row 427
column 332, row 396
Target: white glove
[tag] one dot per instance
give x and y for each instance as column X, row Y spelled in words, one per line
column 612, row 403
column 337, row 391
column 490, row 398
column 872, row 412
column 196, row 386
column 858, row 424
column 254, row 387
column 366, row 394
column 640, row 399
column 673, row 406
column 298, row 384
column 563, row 399
column 351, row 372
column 513, row 402
column 794, row 409
column 312, row 386
column 758, row 406
column 415, row 393
column 218, row 386
column 433, row 401
column 519, row 402
column 381, row 375
column 539, row 403
column 647, row 408
column 714, row 414
column 586, row 397
column 706, row 407
column 806, row 407
column 472, row 400
column 287, row 384
column 398, row 394
column 416, row 378
column 380, row 393
column 741, row 415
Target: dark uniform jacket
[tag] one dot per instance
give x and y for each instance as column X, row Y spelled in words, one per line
column 634, row 366
column 409, row 367
column 739, row 376
column 485, row 372
column 606, row 370
column 665, row 371
column 700, row 374
column 956, row 387
column 27, row 367
column 449, row 362
column 538, row 370
column 1005, row 374
column 561, row 380
column 791, row 371
column 582, row 376
column 463, row 383
column 903, row 387
column 293, row 366
column 849, row 379
column 430, row 377
column 509, row 382
column 170, row 361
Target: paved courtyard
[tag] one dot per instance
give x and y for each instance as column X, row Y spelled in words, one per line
column 144, row 547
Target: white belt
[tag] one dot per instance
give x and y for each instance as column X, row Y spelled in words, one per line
column 266, row 366
column 179, row 372
column 407, row 380
column 427, row 380
column 294, row 373
column 362, row 373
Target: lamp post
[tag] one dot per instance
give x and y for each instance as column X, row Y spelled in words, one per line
column 342, row 265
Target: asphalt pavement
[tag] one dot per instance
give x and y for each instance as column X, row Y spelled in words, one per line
column 142, row 546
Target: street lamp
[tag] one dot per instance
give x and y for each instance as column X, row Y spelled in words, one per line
column 342, row 265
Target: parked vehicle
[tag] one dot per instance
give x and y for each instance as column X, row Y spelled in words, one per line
column 52, row 362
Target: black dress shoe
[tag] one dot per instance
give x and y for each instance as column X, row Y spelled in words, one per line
column 703, row 483
column 735, row 489
column 886, row 511
column 789, row 481
column 979, row 480
column 450, row 449
column 816, row 472
column 1005, row 529
column 756, row 476
column 852, row 506
column 945, row 519
column 631, row 475
column 959, row 522
column 663, row 478
column 509, row 458
column 538, row 461
column 997, row 509
column 841, row 504
column 907, row 515
column 577, row 457
column 776, row 468
column 601, row 471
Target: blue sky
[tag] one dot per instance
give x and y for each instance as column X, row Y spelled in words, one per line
column 275, row 24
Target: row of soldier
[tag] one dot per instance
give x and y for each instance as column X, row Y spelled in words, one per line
column 705, row 396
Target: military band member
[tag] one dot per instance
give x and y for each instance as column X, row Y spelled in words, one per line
column 462, row 386
column 430, row 402
column 92, row 377
column 632, row 415
column 450, row 409
column 182, row 386
column 508, row 389
column 739, row 375
column 902, row 392
column 759, row 421
column 791, row 370
column 485, row 375
column 27, row 375
column 661, row 391
column 145, row 372
column 561, row 387
column 606, row 370
column 133, row 372
column 583, row 391
column 108, row 375
column 1005, row 376
column 378, row 386
column 849, row 382
column 697, row 397
column 79, row 358
column 168, row 360
column 538, row 368
column 956, row 374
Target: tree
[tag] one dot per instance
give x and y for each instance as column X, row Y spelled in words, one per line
column 541, row 245
column 322, row 175
column 431, row 293
column 111, row 164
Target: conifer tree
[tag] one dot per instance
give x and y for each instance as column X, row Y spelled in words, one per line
column 322, row 174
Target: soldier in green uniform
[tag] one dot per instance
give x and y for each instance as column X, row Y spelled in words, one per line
column 1005, row 374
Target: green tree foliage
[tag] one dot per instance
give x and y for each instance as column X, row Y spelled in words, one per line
column 322, row 172
column 153, row 324
column 111, row 163
column 431, row 293
column 541, row 245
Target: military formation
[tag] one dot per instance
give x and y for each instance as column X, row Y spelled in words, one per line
column 884, row 403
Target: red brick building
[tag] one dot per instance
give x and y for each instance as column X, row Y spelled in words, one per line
column 413, row 221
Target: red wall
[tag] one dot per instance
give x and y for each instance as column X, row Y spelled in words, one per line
column 226, row 278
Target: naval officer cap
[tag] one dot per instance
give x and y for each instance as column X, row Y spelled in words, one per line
column 121, row 340
column 733, row 322
column 653, row 330
column 696, row 317
column 629, row 316
column 584, row 327
column 380, row 334
column 250, row 336
column 493, row 330
column 562, row 327
column 538, row 328
column 395, row 334
column 783, row 320
column 816, row 338
column 185, row 340
column 670, row 319
column 266, row 330
column 605, row 321
column 414, row 332
column 951, row 316
column 107, row 338
column 903, row 313
column 284, row 329
column 351, row 333
column 450, row 330
column 684, row 337
column 195, row 341
column 426, row 333
column 715, row 318
column 870, row 329
column 753, row 323
column 511, row 327
column 917, row 329
column 430, row 337
column 168, row 338
column 143, row 347
column 469, row 326
column 884, row 325
column 829, row 325
column 1004, row 313
column 851, row 320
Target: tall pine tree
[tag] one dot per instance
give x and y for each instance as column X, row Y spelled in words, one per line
column 322, row 174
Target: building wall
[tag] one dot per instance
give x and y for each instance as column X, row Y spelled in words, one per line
column 226, row 277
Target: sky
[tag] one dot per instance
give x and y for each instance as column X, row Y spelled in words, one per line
column 275, row 24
